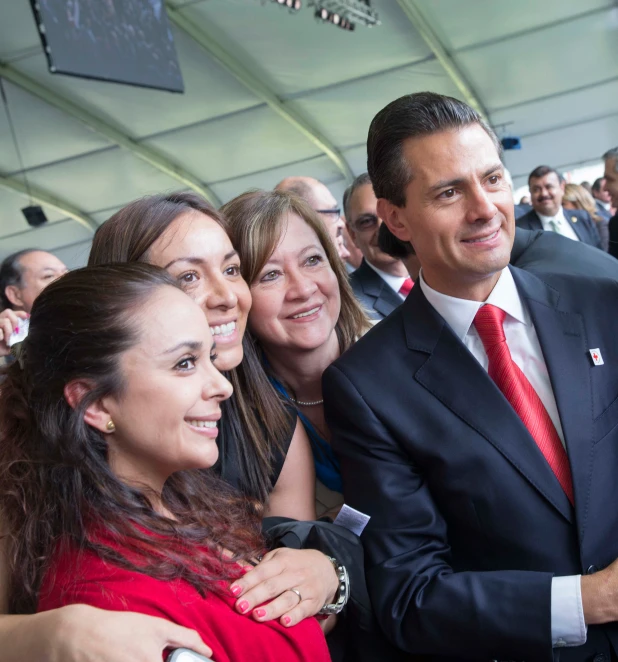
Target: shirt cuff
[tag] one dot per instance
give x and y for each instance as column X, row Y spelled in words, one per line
column 568, row 627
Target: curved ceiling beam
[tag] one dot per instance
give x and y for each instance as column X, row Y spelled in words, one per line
column 259, row 88
column 96, row 124
column 48, row 200
column 422, row 26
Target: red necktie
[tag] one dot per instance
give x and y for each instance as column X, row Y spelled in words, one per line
column 404, row 290
column 519, row 392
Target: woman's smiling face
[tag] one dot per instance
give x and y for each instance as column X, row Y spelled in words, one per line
column 196, row 251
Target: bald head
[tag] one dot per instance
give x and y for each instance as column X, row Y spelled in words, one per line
column 24, row 275
column 319, row 198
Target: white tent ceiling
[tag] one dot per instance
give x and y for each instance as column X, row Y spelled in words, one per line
column 270, row 94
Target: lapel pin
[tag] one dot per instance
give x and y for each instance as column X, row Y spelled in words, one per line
column 574, row 219
column 596, row 357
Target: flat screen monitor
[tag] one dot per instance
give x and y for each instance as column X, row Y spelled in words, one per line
column 124, row 41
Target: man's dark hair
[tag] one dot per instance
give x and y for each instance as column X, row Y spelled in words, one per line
column 11, row 272
column 411, row 116
column 392, row 245
column 541, row 171
column 361, row 180
column 598, row 182
column 612, row 154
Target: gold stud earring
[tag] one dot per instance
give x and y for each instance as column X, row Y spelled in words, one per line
column 110, row 426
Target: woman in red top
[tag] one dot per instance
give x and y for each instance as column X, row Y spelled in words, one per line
column 107, row 419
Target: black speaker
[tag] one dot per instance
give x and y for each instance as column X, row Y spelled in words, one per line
column 34, row 215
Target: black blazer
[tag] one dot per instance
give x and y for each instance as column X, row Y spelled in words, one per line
column 613, row 236
column 550, row 253
column 373, row 293
column 579, row 219
column 468, row 522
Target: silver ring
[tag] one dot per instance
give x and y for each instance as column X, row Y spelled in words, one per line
column 295, row 590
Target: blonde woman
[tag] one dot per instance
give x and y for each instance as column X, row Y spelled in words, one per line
column 304, row 314
column 577, row 197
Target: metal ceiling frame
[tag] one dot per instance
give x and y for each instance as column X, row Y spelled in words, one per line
column 258, row 87
column 422, row 26
column 152, row 157
column 46, row 199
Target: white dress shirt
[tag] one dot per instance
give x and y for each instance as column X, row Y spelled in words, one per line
column 567, row 615
column 394, row 282
column 563, row 226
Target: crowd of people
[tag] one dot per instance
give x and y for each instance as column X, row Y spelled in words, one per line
column 188, row 414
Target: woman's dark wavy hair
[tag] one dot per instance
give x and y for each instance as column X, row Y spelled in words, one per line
column 254, row 419
column 56, row 486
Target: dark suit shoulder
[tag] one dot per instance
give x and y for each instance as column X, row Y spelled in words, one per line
column 529, row 221
column 377, row 344
column 576, row 292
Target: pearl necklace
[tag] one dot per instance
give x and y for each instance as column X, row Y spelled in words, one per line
column 306, row 404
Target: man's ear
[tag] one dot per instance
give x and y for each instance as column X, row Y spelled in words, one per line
column 392, row 215
column 96, row 415
column 12, row 293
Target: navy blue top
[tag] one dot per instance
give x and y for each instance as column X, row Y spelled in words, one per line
column 327, row 467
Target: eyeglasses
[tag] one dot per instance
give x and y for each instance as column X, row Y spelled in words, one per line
column 336, row 212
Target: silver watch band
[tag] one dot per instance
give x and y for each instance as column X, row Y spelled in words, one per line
column 343, row 592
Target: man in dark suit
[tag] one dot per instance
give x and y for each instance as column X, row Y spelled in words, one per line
column 546, row 192
column 611, row 186
column 381, row 283
column 477, row 426
column 602, row 198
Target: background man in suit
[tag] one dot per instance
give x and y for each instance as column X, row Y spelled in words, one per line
column 23, row 276
column 546, row 191
column 477, row 425
column 611, row 186
column 602, row 198
column 320, row 199
column 381, row 282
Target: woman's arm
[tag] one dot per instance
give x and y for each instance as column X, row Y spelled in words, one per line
column 79, row 633
column 294, row 492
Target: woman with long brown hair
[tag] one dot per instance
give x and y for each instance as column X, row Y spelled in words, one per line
column 304, row 313
column 107, row 417
column 264, row 452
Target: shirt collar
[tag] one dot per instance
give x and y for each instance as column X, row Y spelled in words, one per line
column 558, row 217
column 394, row 282
column 460, row 313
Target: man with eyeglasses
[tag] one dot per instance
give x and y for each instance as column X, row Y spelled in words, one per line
column 321, row 200
column 381, row 283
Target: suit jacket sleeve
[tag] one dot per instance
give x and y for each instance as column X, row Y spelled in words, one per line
column 594, row 231
column 424, row 604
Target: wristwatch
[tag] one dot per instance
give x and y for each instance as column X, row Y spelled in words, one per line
column 343, row 592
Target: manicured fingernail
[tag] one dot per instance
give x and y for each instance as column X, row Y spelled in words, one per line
column 236, row 590
column 16, row 329
column 260, row 613
column 243, row 606
column 286, row 620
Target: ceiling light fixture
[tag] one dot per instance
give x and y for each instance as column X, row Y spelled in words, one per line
column 292, row 5
column 345, row 13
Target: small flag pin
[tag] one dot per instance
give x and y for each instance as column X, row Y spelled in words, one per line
column 574, row 219
column 596, row 357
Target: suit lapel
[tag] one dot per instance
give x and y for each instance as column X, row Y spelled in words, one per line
column 578, row 226
column 534, row 222
column 386, row 299
column 563, row 342
column 474, row 398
